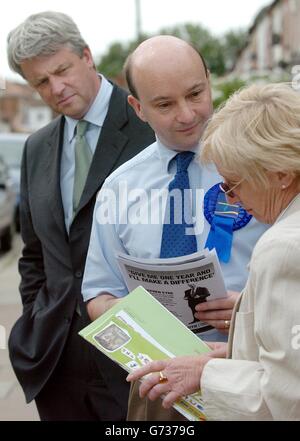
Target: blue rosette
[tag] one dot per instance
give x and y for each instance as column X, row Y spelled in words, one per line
column 224, row 219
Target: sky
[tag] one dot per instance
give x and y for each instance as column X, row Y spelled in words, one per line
column 102, row 22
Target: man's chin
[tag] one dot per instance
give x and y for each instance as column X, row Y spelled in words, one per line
column 183, row 145
column 72, row 113
column 192, row 146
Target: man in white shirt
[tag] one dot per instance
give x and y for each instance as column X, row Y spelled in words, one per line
column 170, row 89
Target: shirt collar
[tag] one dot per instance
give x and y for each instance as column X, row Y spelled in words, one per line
column 166, row 154
column 98, row 110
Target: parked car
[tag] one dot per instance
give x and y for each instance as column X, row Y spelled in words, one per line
column 7, row 208
column 11, row 149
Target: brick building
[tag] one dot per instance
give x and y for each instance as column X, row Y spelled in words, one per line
column 273, row 42
column 21, row 109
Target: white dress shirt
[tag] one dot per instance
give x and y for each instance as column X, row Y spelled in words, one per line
column 95, row 116
column 151, row 169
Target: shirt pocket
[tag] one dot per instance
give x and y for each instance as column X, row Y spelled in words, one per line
column 142, row 241
column 244, row 343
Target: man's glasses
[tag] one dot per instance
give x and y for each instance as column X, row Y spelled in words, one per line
column 229, row 190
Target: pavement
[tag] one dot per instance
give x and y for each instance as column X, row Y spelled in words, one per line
column 12, row 402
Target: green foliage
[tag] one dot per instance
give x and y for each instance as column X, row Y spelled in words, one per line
column 111, row 63
column 233, row 42
column 223, row 90
column 219, row 53
column 202, row 40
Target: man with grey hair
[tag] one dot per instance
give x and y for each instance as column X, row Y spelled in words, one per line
column 63, row 168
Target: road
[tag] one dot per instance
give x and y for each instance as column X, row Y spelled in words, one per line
column 12, row 402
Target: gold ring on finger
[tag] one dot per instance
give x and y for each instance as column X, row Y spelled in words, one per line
column 226, row 324
column 162, row 378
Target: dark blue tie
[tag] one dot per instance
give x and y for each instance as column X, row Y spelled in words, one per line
column 175, row 242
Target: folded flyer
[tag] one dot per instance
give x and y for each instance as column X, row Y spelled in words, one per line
column 139, row 329
column 179, row 283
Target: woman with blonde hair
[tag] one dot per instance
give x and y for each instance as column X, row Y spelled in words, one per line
column 254, row 141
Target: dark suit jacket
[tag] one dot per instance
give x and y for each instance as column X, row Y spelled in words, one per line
column 53, row 262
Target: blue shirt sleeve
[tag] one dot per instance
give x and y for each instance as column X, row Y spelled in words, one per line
column 102, row 273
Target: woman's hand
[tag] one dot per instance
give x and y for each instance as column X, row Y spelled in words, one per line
column 219, row 349
column 183, row 375
column 217, row 313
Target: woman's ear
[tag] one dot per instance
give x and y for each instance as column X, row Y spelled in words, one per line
column 285, row 179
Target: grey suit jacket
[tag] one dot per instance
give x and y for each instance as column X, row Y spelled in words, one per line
column 52, row 261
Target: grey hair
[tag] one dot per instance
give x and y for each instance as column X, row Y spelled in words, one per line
column 42, row 34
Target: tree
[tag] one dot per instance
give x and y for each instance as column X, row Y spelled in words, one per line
column 223, row 90
column 233, row 42
column 202, row 40
column 219, row 53
column 112, row 62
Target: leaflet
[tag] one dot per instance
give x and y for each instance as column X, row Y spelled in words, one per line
column 139, row 329
column 178, row 283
